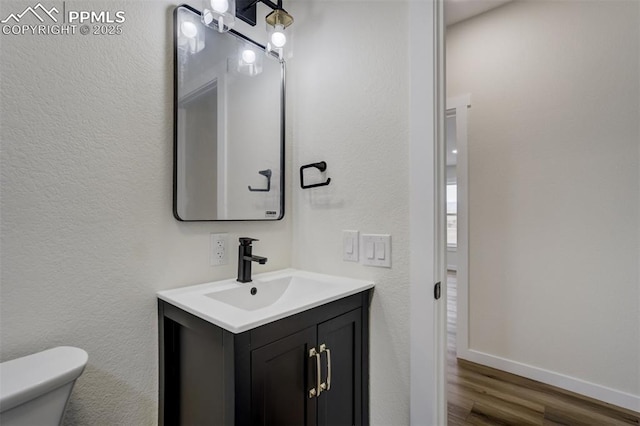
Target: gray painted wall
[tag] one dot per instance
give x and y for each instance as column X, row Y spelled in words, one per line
column 554, row 185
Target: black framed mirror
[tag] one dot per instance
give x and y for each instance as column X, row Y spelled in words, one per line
column 228, row 125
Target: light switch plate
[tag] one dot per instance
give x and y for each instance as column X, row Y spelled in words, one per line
column 350, row 244
column 376, row 250
column 218, row 250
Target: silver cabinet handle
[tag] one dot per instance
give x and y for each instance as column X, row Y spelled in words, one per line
column 324, row 348
column 319, row 388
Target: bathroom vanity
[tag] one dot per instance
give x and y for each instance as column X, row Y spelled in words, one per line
column 294, row 353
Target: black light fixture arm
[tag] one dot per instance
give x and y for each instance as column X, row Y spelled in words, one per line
column 269, row 3
column 246, row 9
column 254, row 3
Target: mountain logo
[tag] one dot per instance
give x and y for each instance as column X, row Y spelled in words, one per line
column 39, row 11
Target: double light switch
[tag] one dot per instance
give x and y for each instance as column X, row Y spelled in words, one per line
column 371, row 249
column 376, row 250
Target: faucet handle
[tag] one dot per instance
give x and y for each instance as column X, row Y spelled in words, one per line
column 246, row 241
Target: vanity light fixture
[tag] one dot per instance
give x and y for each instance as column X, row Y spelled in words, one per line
column 219, row 14
column 249, row 61
column 277, row 22
column 189, row 29
column 248, row 56
column 192, row 40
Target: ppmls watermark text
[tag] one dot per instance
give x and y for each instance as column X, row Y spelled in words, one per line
column 57, row 20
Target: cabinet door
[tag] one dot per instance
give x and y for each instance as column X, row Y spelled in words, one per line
column 341, row 404
column 281, row 375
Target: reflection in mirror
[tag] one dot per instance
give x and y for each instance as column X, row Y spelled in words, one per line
column 229, row 121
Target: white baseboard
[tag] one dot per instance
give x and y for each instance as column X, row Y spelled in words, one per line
column 602, row 393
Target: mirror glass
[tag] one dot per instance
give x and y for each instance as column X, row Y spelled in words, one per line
column 229, row 125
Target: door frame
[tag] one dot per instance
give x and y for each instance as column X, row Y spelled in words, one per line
column 427, row 216
column 458, row 107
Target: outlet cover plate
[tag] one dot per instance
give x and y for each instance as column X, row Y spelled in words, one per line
column 218, row 251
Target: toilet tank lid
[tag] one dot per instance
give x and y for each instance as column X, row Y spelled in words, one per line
column 26, row 378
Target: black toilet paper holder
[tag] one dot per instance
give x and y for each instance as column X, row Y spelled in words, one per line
column 322, row 166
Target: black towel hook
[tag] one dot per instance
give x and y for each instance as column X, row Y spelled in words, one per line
column 322, row 166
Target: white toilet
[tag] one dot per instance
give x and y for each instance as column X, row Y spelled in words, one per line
column 34, row 389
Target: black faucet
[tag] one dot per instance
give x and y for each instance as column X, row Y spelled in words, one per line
column 245, row 258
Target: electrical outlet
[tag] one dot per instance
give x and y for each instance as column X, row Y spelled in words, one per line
column 218, row 250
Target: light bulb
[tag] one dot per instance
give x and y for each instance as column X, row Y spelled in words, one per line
column 455, row 151
column 248, row 56
column 189, row 29
column 277, row 37
column 220, row 6
column 207, row 17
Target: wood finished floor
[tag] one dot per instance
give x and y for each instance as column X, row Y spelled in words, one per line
column 479, row 395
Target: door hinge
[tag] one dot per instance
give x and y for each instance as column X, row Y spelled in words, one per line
column 437, row 292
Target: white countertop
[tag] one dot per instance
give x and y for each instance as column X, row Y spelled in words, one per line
column 230, row 304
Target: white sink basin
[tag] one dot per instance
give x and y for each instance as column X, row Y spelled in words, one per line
column 270, row 292
column 232, row 306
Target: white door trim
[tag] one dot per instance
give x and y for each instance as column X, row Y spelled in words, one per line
column 459, row 106
column 426, row 213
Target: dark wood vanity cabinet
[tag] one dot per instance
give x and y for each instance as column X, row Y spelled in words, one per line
column 267, row 375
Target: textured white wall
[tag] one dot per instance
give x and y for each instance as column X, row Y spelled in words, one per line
column 349, row 107
column 87, row 231
column 554, row 185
